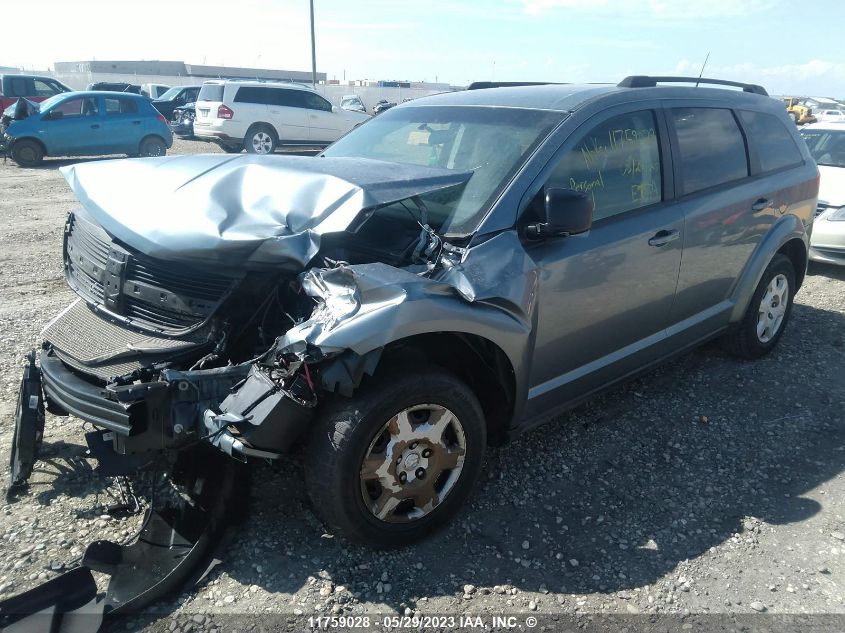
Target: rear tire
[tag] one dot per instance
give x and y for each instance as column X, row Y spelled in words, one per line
column 354, row 448
column 27, row 153
column 767, row 314
column 260, row 139
column 152, row 146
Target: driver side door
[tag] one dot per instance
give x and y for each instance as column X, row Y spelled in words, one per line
column 79, row 131
column 605, row 295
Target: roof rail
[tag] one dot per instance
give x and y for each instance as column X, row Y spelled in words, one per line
column 480, row 85
column 644, row 81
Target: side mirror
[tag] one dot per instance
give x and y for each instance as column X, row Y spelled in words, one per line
column 53, row 115
column 567, row 213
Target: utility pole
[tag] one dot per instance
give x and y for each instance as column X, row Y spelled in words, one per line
column 313, row 51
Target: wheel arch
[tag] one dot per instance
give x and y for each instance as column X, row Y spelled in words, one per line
column 789, row 237
column 796, row 251
column 478, row 361
column 34, row 139
column 269, row 126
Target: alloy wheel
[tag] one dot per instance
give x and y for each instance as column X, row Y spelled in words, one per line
column 262, row 143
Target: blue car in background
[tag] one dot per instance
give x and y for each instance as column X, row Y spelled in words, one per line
column 89, row 123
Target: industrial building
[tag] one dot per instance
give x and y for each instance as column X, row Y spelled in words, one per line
column 165, row 69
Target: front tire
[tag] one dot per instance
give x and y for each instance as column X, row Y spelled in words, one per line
column 27, row 153
column 398, row 459
column 767, row 314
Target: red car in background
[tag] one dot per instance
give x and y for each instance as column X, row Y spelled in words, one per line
column 33, row 87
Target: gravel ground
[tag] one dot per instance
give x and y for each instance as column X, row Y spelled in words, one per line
column 708, row 486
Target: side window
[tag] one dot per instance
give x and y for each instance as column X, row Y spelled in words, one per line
column 316, row 102
column 56, row 86
column 617, row 163
column 191, row 95
column 775, row 145
column 83, row 106
column 43, row 88
column 290, row 98
column 712, row 150
column 120, row 106
column 18, row 88
column 251, row 94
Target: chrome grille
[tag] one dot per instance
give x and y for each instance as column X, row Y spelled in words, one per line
column 154, row 295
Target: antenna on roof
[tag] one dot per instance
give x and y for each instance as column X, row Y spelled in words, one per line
column 702, row 68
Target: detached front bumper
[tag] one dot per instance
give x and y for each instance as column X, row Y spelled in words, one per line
column 68, row 393
column 235, row 408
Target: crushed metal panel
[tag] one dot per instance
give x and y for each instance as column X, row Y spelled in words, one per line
column 242, row 210
column 364, row 307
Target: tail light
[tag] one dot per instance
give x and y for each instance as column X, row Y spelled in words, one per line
column 161, row 118
column 224, row 112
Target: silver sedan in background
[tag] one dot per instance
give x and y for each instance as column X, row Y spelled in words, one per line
column 826, row 142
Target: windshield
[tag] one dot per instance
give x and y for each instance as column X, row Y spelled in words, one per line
column 490, row 142
column 826, row 146
column 49, row 103
column 170, row 94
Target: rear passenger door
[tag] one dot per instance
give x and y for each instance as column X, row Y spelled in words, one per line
column 605, row 296
column 288, row 115
column 123, row 126
column 728, row 204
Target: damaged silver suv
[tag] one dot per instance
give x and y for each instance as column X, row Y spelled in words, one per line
column 448, row 275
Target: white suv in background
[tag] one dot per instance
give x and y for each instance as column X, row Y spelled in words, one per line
column 258, row 116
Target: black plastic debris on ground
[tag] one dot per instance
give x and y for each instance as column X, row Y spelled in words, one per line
column 174, row 546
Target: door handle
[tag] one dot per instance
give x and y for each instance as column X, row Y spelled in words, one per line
column 760, row 205
column 661, row 238
column 96, row 126
column 136, row 123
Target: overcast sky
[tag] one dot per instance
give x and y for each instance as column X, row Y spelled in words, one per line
column 786, row 46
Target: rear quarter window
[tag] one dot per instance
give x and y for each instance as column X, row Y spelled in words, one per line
column 211, row 92
column 774, row 144
column 711, row 146
column 121, row 106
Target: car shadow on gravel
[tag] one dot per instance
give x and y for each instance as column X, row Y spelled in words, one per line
column 610, row 497
column 62, row 470
column 55, row 163
column 826, row 270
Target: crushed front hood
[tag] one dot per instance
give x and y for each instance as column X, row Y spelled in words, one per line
column 245, row 210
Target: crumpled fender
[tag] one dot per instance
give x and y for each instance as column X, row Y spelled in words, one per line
column 492, row 293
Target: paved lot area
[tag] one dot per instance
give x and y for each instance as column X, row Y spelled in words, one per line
column 708, row 486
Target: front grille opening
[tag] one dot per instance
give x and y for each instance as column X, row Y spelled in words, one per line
column 160, row 296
